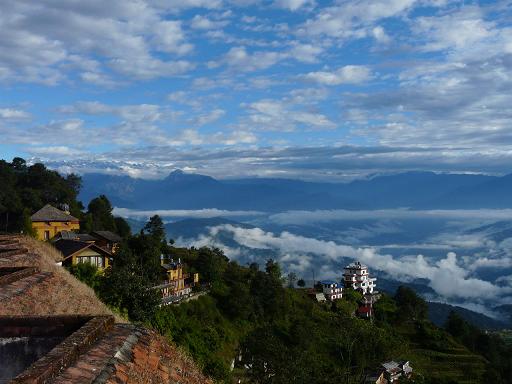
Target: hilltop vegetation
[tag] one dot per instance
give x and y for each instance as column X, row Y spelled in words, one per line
column 26, row 189
column 250, row 319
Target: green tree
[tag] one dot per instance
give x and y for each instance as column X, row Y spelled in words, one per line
column 291, row 278
column 100, row 211
column 411, row 306
column 273, row 269
column 155, row 228
column 124, row 287
column 87, row 273
column 122, row 227
column 301, row 283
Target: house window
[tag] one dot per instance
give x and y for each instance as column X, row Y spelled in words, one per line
column 47, row 235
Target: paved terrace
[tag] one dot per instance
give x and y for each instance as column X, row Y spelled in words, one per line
column 43, row 308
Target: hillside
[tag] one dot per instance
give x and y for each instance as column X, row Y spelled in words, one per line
column 284, row 333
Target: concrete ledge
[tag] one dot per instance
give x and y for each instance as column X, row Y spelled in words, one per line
column 64, row 354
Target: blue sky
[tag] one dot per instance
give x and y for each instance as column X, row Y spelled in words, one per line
column 286, row 88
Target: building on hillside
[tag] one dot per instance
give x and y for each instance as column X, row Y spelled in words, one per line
column 49, row 221
column 376, row 377
column 393, row 370
column 365, row 311
column 356, row 276
column 76, row 252
column 108, row 240
column 176, row 284
column 332, row 290
column 316, row 296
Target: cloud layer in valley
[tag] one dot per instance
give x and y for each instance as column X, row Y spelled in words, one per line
column 450, row 277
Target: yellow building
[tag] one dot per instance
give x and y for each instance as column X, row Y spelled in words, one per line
column 76, row 252
column 175, row 275
column 50, row 221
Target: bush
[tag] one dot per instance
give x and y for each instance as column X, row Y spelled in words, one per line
column 86, row 273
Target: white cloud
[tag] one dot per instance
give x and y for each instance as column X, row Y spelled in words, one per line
column 380, row 35
column 459, row 30
column 307, row 53
column 13, row 114
column 278, row 115
column 182, row 213
column 209, row 117
column 240, row 59
column 293, row 5
column 318, row 216
column 131, row 113
column 40, row 41
column 59, row 150
column 353, row 19
column 349, row 74
column 204, row 23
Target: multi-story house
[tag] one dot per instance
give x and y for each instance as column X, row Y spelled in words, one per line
column 356, row 277
column 49, row 222
column 176, row 284
column 332, row 290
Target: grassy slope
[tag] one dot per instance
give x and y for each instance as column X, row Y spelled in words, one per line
column 445, row 359
column 59, row 294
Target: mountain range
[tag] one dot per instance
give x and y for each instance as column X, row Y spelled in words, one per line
column 418, row 190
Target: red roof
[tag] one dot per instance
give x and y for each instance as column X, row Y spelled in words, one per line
column 364, row 309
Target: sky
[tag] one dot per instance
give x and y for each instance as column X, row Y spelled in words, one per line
column 287, row 88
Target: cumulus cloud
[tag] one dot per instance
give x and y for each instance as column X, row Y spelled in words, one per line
column 204, row 23
column 293, row 5
column 353, row 19
column 13, row 114
column 349, row 74
column 240, row 59
column 40, row 41
column 285, row 115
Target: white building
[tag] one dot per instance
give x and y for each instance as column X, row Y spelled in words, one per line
column 332, row 290
column 356, row 277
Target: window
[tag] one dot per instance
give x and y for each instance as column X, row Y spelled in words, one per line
column 47, row 235
column 97, row 261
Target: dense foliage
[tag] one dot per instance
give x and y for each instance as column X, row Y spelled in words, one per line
column 25, row 189
column 280, row 333
column 253, row 327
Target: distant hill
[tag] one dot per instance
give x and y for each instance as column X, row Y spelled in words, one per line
column 438, row 313
column 192, row 191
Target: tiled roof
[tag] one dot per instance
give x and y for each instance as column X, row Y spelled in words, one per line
column 108, row 235
column 70, row 247
column 50, row 213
